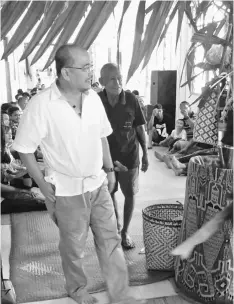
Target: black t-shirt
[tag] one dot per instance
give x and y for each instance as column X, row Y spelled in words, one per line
column 163, row 126
column 124, row 117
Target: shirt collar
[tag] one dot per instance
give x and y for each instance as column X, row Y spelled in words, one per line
column 122, row 98
column 56, row 94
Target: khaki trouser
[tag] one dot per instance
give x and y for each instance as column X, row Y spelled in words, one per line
column 74, row 216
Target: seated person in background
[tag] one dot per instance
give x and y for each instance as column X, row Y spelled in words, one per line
column 5, row 120
column 23, row 101
column 15, row 199
column 184, row 148
column 33, row 91
column 14, row 114
column 159, row 126
column 18, row 95
column 5, row 107
column 8, row 161
column 20, row 91
column 228, row 134
column 189, row 119
column 12, row 170
column 177, row 134
column 180, row 164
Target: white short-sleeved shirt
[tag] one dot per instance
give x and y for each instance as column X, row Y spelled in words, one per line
column 71, row 145
column 182, row 134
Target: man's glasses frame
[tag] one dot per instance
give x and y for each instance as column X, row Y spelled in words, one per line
column 84, row 69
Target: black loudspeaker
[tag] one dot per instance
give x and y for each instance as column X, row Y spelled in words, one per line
column 163, row 90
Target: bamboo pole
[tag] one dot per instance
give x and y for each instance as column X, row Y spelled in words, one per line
column 8, row 75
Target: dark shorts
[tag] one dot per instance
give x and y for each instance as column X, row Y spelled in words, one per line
column 128, row 181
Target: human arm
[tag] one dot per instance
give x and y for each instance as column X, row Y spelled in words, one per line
column 151, row 122
column 11, row 189
column 190, row 122
column 34, row 123
column 142, row 141
column 108, row 164
column 138, row 123
column 183, row 135
column 189, row 119
column 185, row 249
column 34, row 171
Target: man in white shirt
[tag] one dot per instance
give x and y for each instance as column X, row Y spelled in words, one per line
column 69, row 123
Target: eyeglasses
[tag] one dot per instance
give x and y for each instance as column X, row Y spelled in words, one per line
column 87, row 68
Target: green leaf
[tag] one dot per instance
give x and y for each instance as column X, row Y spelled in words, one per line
column 188, row 12
column 193, row 46
column 33, row 14
column 70, row 25
column 150, row 30
column 220, row 26
column 53, row 11
column 94, row 14
column 12, row 15
column 125, row 7
column 181, row 11
column 189, row 68
column 139, row 29
column 7, row 10
column 162, row 16
column 97, row 17
column 171, row 17
column 208, row 40
column 153, row 6
column 191, row 79
column 207, row 66
column 53, row 31
column 202, row 9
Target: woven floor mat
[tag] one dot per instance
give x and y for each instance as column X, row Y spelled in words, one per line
column 35, row 264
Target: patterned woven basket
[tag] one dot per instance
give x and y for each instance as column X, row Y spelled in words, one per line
column 161, row 228
column 206, row 124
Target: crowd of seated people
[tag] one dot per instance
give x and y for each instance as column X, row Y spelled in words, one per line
column 177, row 157
column 19, row 193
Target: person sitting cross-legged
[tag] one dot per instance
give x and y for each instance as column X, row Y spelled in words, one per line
column 14, row 114
column 159, row 126
column 177, row 134
column 15, row 199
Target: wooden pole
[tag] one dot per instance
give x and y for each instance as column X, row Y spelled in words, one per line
column 8, row 75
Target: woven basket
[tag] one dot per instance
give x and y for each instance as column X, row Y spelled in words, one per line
column 161, row 227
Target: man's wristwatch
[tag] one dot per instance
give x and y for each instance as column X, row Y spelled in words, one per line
column 108, row 170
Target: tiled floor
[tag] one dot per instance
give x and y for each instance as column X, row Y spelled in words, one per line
column 158, row 183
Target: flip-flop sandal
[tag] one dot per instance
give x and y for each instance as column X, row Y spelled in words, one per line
column 128, row 244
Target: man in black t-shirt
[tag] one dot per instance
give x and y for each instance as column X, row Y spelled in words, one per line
column 127, row 121
column 160, row 126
